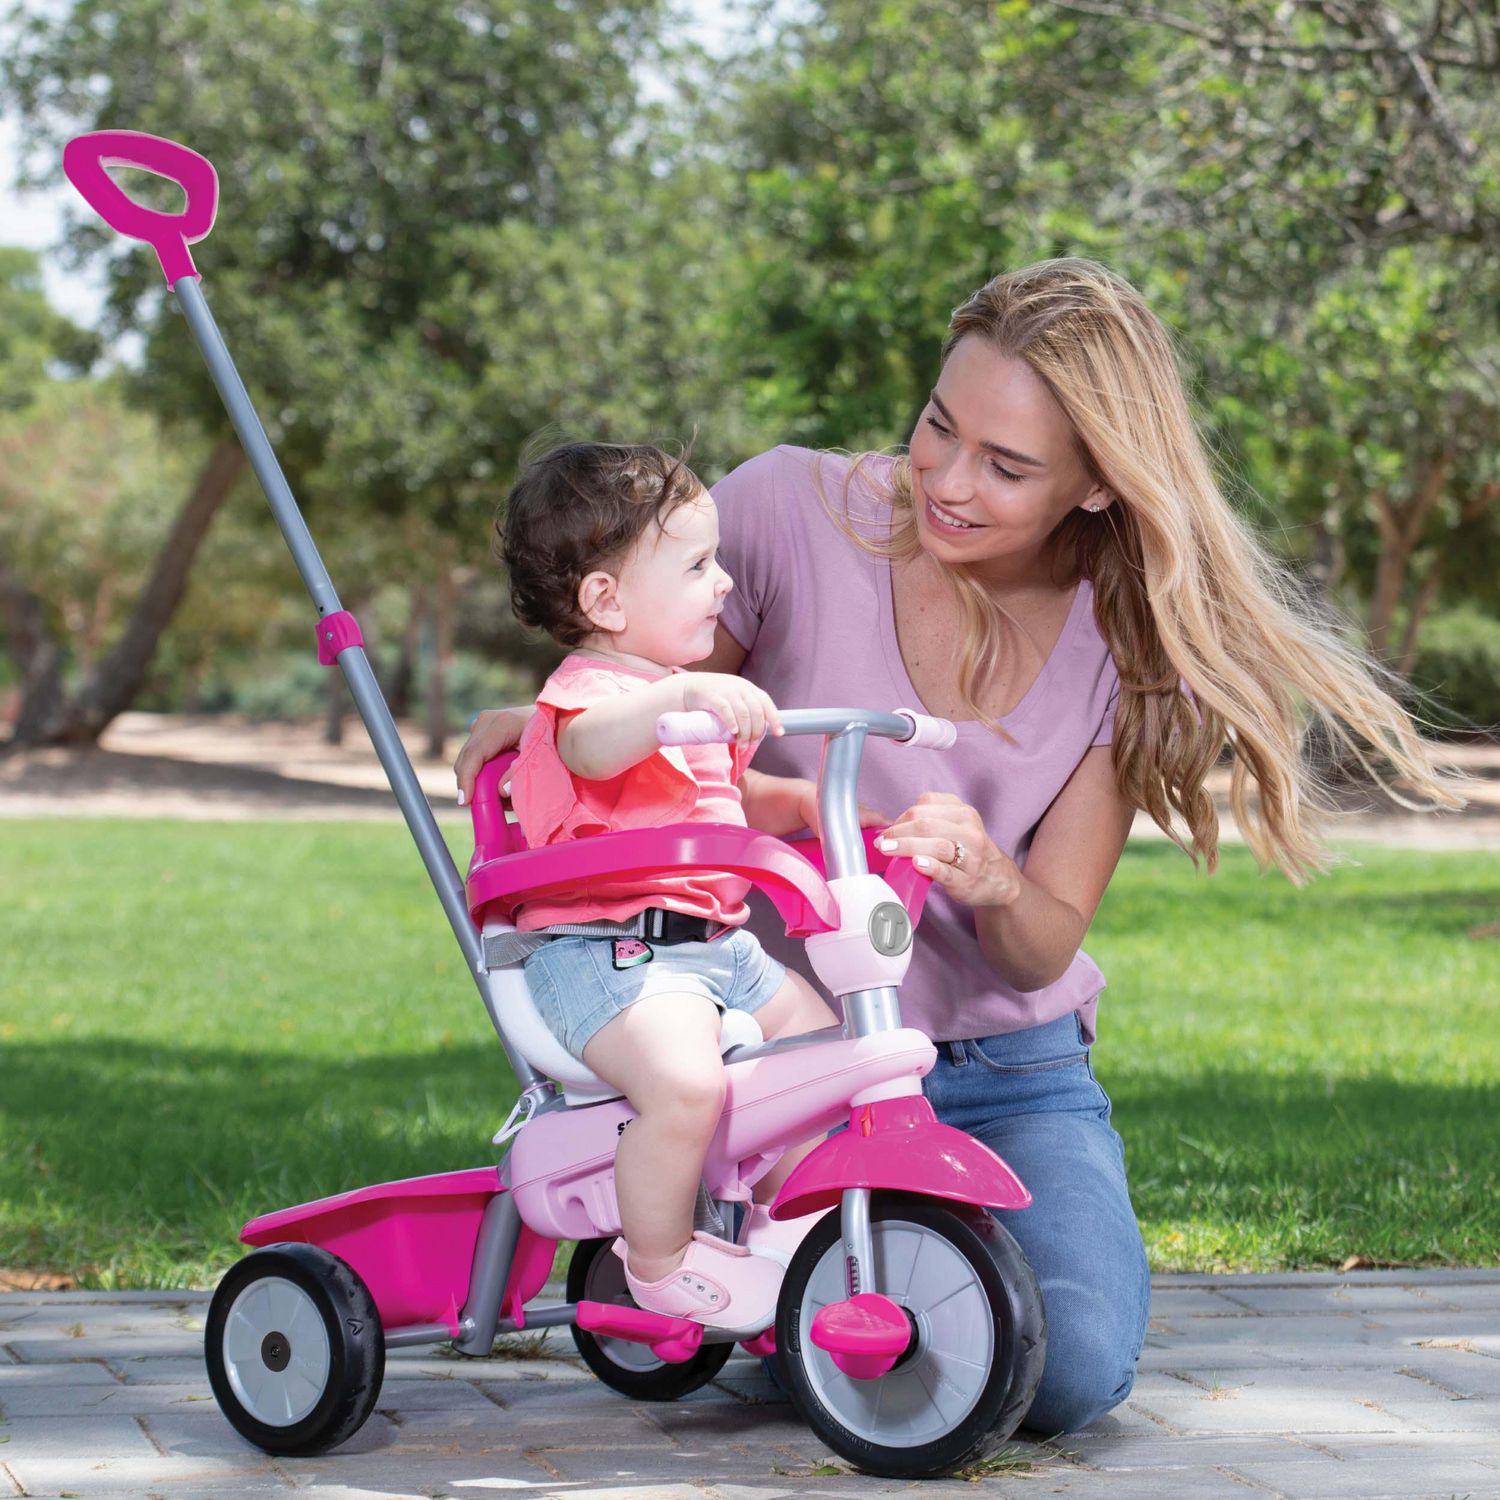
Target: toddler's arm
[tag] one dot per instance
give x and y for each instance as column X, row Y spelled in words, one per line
column 788, row 804
column 609, row 738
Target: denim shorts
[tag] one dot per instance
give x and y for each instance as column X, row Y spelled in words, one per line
column 577, row 989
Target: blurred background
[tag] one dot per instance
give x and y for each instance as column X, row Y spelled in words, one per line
column 446, row 225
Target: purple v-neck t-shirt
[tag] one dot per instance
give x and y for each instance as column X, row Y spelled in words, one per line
column 815, row 615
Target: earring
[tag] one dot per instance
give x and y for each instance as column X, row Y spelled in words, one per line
column 1092, row 508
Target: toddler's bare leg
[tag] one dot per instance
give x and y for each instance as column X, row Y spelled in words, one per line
column 794, row 1008
column 663, row 1055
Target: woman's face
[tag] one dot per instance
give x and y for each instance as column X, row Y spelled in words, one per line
column 994, row 466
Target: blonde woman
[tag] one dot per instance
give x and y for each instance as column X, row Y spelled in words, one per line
column 1053, row 566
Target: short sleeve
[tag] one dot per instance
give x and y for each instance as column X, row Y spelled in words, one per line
column 553, row 805
column 749, row 538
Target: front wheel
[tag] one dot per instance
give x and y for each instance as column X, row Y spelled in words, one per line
column 979, row 1339
column 295, row 1349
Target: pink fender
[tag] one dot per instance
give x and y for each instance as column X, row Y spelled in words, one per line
column 899, row 1145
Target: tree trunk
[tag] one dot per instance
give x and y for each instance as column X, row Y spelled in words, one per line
column 405, row 673
column 443, row 590
column 112, row 687
column 38, row 661
column 1400, row 533
column 1426, row 595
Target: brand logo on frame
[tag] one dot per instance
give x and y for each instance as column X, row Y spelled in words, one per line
column 890, row 929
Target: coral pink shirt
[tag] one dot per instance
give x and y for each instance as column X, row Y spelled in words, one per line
column 687, row 784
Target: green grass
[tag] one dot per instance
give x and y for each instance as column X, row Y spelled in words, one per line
column 200, row 1022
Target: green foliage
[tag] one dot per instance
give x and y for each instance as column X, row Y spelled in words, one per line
column 1459, row 666
column 88, row 486
column 32, row 335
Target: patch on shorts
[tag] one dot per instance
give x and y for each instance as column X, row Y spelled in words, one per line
column 632, row 952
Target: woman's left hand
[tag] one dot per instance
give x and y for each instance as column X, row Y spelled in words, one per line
column 944, row 837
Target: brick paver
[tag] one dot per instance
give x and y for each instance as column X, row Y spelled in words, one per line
column 1314, row 1387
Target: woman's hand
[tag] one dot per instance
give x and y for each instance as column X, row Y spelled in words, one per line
column 495, row 731
column 737, row 703
column 934, row 832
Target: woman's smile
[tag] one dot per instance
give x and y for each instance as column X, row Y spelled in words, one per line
column 945, row 520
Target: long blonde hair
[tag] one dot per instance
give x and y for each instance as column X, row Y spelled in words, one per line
column 1184, row 593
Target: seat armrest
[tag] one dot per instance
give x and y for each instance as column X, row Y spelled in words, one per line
column 797, row 890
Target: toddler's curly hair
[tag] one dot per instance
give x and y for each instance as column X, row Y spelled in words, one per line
column 575, row 509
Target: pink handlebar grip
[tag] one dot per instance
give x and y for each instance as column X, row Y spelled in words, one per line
column 929, row 733
column 697, row 727
column 84, row 159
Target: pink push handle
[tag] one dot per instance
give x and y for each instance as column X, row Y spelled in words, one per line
column 696, row 727
column 84, row 159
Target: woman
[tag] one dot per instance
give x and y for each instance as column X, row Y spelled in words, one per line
column 1053, row 566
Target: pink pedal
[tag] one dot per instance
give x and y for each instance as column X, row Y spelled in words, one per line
column 762, row 1345
column 864, row 1336
column 675, row 1340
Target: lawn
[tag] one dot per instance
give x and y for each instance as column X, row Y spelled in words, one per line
column 200, row 1022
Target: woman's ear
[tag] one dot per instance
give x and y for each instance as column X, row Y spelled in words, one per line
column 1098, row 499
column 599, row 602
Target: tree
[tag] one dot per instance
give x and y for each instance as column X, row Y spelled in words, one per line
column 1306, row 194
column 1322, row 184
column 386, row 167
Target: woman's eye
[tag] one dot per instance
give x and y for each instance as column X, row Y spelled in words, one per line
column 1004, row 473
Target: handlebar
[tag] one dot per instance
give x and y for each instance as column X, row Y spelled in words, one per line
column 700, row 727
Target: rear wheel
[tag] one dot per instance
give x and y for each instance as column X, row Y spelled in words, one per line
column 594, row 1275
column 294, row 1348
column 979, row 1338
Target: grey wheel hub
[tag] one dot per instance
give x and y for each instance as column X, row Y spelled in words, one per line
column 276, row 1351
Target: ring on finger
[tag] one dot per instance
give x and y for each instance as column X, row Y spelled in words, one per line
column 960, row 854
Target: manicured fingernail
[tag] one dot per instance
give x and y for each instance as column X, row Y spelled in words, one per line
column 922, row 862
column 460, row 796
column 885, row 845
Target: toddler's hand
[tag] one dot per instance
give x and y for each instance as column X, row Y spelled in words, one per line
column 736, row 703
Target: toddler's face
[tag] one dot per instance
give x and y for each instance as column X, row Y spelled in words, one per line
column 672, row 588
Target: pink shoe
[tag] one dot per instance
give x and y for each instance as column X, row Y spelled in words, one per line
column 776, row 1239
column 720, row 1285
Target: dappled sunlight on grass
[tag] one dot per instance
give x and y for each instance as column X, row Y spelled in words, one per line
column 208, row 1021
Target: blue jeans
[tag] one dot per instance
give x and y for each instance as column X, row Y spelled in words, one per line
column 1031, row 1097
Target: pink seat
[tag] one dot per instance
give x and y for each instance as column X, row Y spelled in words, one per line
column 504, row 872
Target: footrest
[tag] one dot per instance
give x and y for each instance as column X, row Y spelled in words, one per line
column 864, row 1336
column 674, row 1340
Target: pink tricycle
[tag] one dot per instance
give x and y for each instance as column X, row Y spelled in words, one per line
column 909, row 1328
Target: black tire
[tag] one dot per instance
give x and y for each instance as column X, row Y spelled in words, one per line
column 306, row 1387
column 1000, row 1340
column 595, row 1275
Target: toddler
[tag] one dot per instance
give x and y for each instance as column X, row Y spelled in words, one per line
column 612, row 550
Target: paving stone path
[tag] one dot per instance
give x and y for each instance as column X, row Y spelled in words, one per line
column 1304, row 1386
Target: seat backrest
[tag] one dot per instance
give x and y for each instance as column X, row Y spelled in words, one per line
column 530, row 1035
column 495, row 836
